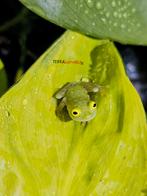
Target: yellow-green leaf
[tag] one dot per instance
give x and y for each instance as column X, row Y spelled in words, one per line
column 42, row 155
column 3, row 79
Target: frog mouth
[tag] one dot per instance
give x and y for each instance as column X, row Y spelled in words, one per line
column 88, row 118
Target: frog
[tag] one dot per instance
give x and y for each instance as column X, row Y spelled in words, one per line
column 76, row 97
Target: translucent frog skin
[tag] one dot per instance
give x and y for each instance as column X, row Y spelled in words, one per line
column 75, row 96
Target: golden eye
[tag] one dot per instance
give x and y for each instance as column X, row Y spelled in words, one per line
column 92, row 105
column 76, row 112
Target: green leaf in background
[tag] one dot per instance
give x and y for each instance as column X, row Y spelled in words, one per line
column 3, row 79
column 42, row 155
column 120, row 20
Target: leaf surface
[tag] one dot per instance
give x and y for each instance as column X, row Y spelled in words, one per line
column 42, row 155
column 124, row 20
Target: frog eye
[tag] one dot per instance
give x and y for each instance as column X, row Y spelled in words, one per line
column 76, row 112
column 92, row 105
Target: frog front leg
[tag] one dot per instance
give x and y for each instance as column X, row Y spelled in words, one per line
column 61, row 92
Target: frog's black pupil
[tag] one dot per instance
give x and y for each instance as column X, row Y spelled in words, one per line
column 94, row 105
column 75, row 113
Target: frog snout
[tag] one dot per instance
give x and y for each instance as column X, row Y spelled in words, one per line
column 90, row 116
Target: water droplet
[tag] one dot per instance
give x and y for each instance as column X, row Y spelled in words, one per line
column 119, row 15
column 107, row 14
column 103, row 19
column 93, row 23
column 115, row 14
column 110, row 22
column 113, row 3
column 119, row 2
column 2, row 164
column 125, row 15
column 115, row 24
column 7, row 113
column 101, row 12
column 86, row 11
column 138, row 25
column 122, row 26
column 25, row 102
column 40, row 114
column 98, row 5
column 72, row 37
column 129, row 3
column 36, row 91
column 90, row 3
column 8, row 164
column 133, row 10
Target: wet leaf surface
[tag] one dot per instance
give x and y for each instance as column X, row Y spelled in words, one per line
column 123, row 21
column 42, row 155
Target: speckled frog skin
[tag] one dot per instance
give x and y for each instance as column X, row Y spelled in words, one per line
column 76, row 97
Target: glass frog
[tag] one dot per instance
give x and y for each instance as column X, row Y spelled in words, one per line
column 76, row 97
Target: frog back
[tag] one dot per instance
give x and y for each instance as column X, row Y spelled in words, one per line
column 76, row 96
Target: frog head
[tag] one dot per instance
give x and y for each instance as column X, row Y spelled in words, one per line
column 83, row 112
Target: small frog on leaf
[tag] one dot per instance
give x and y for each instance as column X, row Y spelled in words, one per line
column 78, row 99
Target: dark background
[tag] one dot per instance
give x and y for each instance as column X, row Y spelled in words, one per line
column 24, row 36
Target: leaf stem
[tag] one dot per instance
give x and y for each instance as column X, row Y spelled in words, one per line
column 14, row 20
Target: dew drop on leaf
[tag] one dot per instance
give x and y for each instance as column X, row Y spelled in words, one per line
column 98, row 5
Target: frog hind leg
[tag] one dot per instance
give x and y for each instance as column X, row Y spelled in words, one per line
column 90, row 87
